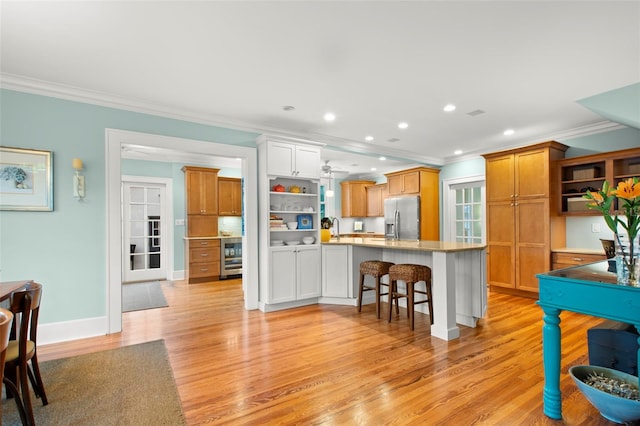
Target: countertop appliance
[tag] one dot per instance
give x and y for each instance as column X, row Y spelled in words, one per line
column 230, row 257
column 402, row 218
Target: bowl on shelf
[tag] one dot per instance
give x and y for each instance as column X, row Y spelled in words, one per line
column 226, row 233
column 292, row 225
column 292, row 243
column 308, row 240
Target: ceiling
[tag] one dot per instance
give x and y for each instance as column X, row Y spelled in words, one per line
column 520, row 65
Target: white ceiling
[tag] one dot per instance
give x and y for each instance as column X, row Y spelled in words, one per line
column 373, row 64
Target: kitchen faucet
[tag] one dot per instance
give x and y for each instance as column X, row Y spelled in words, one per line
column 336, row 224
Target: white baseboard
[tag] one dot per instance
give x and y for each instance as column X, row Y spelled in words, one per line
column 71, row 330
column 178, row 275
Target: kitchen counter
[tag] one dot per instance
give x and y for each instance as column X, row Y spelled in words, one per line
column 422, row 245
column 458, row 276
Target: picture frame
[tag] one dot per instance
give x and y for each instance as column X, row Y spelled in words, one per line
column 26, row 179
column 305, row 221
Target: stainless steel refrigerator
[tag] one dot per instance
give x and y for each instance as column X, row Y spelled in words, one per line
column 402, row 218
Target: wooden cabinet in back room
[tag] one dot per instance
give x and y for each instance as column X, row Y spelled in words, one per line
column 523, row 224
column 229, row 196
column 201, row 189
column 354, row 197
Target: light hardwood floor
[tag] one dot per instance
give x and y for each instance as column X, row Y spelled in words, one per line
column 325, row 364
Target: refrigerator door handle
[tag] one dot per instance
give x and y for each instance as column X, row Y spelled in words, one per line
column 396, row 220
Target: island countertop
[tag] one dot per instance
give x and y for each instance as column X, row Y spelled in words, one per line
column 422, row 245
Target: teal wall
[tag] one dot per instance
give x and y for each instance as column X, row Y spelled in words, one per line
column 66, row 249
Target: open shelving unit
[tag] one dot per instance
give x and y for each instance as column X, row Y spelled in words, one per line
column 301, row 208
column 589, row 172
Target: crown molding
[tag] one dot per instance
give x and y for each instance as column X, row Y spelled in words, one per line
column 70, row 93
column 61, row 91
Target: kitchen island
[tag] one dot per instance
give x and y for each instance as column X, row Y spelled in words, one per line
column 458, row 275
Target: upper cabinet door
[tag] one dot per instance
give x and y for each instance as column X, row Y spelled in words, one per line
column 300, row 161
column 500, row 184
column 281, row 159
column 532, row 174
column 307, row 162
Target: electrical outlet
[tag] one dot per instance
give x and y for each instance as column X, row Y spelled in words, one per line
column 595, row 227
column 179, row 222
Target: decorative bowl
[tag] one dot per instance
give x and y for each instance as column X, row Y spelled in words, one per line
column 308, row 240
column 612, row 407
column 292, row 225
column 226, row 233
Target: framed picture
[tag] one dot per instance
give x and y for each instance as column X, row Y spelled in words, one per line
column 305, row 221
column 26, row 179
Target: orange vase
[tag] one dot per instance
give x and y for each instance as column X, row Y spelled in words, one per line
column 325, row 235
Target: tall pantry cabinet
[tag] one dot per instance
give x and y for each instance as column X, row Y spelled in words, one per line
column 523, row 224
column 289, row 188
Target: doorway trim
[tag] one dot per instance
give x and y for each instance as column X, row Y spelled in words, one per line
column 447, row 203
column 114, row 139
column 168, row 217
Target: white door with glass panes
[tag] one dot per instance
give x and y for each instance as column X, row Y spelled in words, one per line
column 465, row 215
column 145, row 239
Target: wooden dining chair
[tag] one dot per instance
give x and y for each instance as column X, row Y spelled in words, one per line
column 6, row 319
column 21, row 362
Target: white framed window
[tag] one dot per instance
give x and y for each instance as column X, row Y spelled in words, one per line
column 464, row 212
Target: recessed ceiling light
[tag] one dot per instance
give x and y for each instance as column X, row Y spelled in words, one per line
column 368, row 138
column 373, row 169
column 382, row 158
column 509, row 132
column 449, row 108
column 288, row 108
column 457, row 152
column 403, row 125
column 329, row 116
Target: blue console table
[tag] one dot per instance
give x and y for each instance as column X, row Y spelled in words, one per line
column 589, row 289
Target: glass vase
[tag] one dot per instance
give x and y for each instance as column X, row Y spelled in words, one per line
column 627, row 260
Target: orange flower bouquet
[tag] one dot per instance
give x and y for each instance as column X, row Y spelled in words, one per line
column 628, row 195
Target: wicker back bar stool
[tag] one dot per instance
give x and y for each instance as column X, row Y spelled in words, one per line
column 377, row 269
column 411, row 275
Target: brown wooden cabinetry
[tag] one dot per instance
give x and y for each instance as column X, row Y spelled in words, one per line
column 354, row 197
column 522, row 220
column 579, row 174
column 375, row 199
column 229, row 196
column 565, row 259
column 425, row 182
column 201, row 190
column 203, row 260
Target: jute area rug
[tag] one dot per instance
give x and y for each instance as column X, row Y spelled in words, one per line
column 133, row 385
column 141, row 296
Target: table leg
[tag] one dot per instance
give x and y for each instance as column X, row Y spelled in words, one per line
column 638, row 362
column 552, row 398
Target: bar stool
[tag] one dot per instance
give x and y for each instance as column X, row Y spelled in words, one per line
column 377, row 269
column 410, row 274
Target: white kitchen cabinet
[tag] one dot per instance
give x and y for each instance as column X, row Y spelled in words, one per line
column 297, row 160
column 294, row 273
column 289, row 188
column 336, row 271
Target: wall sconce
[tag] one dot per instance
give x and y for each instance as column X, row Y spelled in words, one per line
column 78, row 179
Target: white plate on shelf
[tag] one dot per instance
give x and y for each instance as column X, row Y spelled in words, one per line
column 292, row 243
